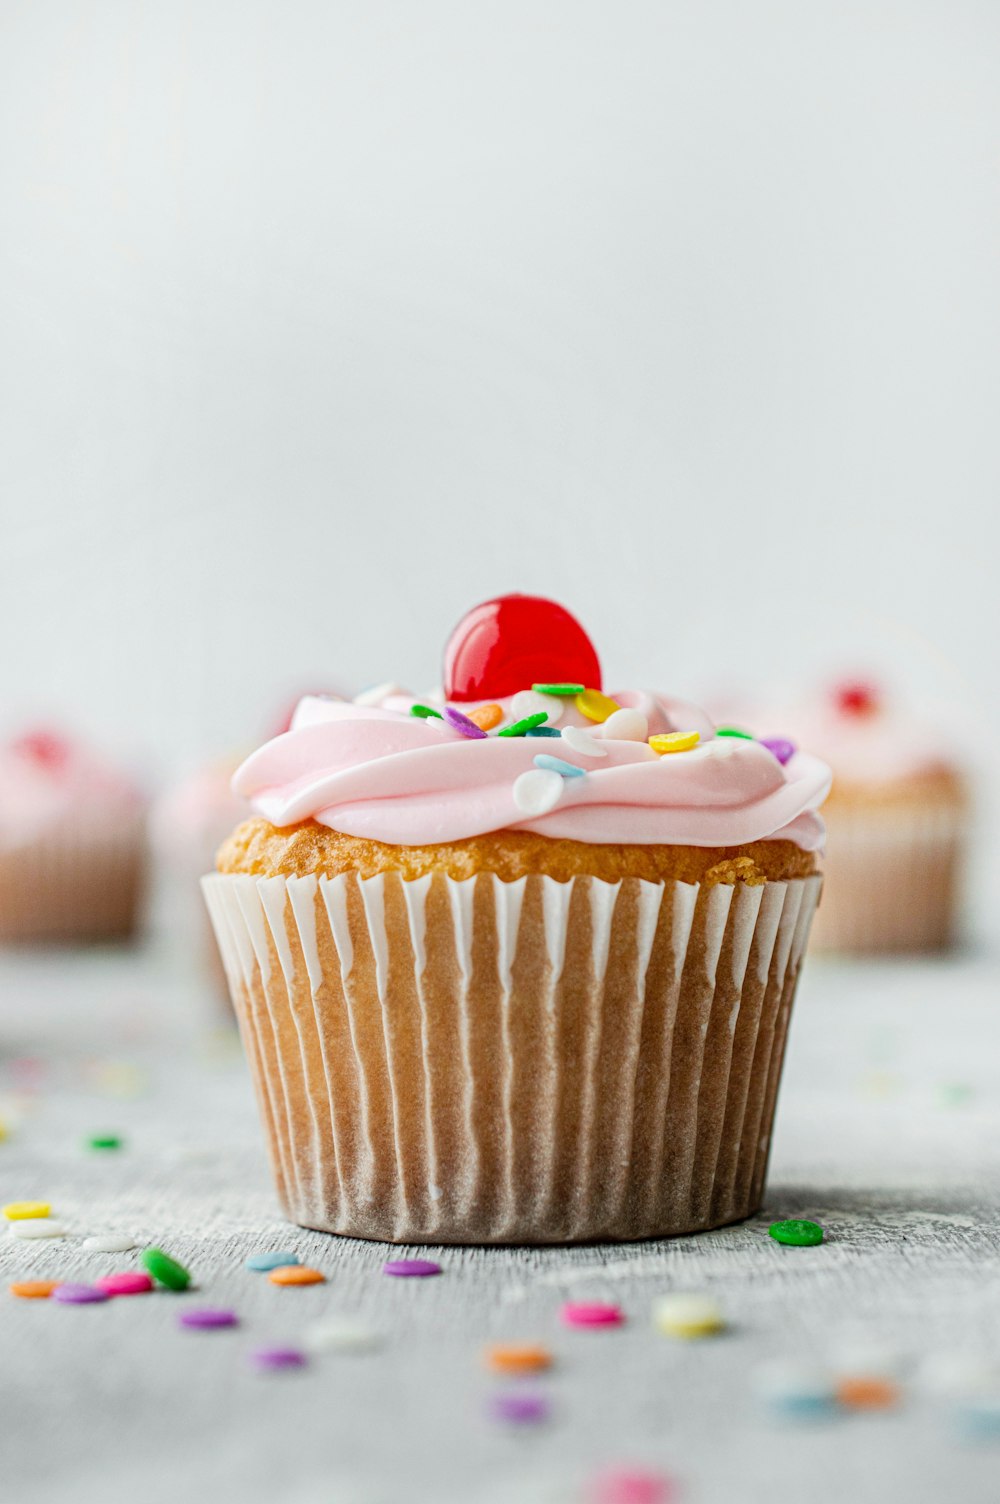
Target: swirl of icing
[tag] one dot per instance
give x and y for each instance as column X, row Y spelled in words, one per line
column 378, row 772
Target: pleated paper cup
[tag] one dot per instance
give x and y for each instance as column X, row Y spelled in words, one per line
column 84, row 881
column 524, row 1062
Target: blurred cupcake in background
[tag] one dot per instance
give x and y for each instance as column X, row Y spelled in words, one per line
column 73, row 848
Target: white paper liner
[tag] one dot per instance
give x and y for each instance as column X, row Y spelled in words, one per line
column 82, row 881
column 892, row 880
column 526, row 1062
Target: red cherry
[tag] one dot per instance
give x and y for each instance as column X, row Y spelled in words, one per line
column 856, row 698
column 44, row 747
column 513, row 642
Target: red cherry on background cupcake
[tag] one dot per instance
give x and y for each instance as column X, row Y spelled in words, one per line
column 513, row 642
column 46, row 748
column 856, row 698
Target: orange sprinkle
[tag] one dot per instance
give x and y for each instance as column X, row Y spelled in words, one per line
column 486, row 716
column 526, row 1359
column 296, row 1274
column 33, row 1289
column 867, row 1393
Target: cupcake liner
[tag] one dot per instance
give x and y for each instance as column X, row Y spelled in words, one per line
column 892, row 880
column 525, row 1062
column 79, row 882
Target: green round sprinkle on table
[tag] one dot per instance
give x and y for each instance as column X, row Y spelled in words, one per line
column 104, row 1141
column 425, row 712
column 733, row 731
column 521, row 728
column 165, row 1270
column 558, row 689
column 799, row 1234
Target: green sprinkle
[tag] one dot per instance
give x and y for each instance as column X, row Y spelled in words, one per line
column 104, row 1141
column 733, row 731
column 425, row 711
column 521, row 728
column 164, row 1269
column 559, row 689
column 797, row 1233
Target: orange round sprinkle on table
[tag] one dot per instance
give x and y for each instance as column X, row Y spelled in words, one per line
column 486, row 716
column 866, row 1393
column 33, row 1289
column 510, row 1358
column 296, row 1274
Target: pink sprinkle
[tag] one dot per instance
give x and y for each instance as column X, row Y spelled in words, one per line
column 461, row 722
column 591, row 1313
column 205, row 1320
column 278, row 1357
column 78, row 1295
column 630, row 1486
column 411, row 1268
column 129, row 1282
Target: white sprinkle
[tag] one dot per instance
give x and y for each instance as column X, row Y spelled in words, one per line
column 376, row 693
column 530, row 702
column 722, row 746
column 537, row 791
column 37, row 1227
column 626, row 726
column 582, row 742
column 341, row 1335
column 109, row 1242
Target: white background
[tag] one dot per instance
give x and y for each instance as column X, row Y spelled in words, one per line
column 320, row 321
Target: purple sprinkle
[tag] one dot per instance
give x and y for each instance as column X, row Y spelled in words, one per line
column 78, row 1295
column 519, row 1407
column 411, row 1268
column 461, row 722
column 278, row 1357
column 780, row 746
column 208, row 1320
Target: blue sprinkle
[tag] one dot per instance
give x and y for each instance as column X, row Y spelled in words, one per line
column 556, row 765
column 262, row 1262
column 544, row 731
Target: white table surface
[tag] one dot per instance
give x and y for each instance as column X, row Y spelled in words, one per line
column 888, row 1134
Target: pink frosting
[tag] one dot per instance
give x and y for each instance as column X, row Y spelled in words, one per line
column 48, row 782
column 377, row 771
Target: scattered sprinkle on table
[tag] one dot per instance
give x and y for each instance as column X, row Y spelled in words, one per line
column 630, row 1485
column 108, row 1242
column 864, row 1392
column 674, row 741
column 558, row 689
column 595, row 705
column 411, row 1268
column 687, row 1316
column 78, row 1295
column 33, row 1289
column 341, row 1335
column 797, row 1233
column 104, row 1141
column 263, row 1263
column 207, row 1319
column 591, row 1313
column 18, row 1211
column 526, row 724
column 274, row 1358
column 296, row 1274
column 128, row 1282
column 793, row 1390
column 426, row 712
column 165, row 1270
column 459, row 722
column 518, row 1408
column 486, row 716
column 37, row 1227
column 514, row 1358
column 556, row 765
column 537, row 791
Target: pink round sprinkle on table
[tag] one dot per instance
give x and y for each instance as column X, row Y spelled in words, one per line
column 411, row 1268
column 460, row 722
column 630, row 1486
column 271, row 1358
column 78, row 1295
column 129, row 1282
column 207, row 1319
column 591, row 1313
column 519, row 1408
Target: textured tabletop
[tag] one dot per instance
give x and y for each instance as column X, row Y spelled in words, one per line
column 888, row 1134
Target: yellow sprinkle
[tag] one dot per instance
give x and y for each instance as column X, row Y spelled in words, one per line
column 20, row 1211
column 3, row 1130
column 687, row 1316
column 595, row 706
column 674, row 741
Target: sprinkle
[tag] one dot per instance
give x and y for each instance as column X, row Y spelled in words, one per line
column 104, row 1141
column 558, row 689
column 794, row 1390
column 519, row 1408
column 17, row 1211
column 207, row 1319
column 630, row 1486
column 556, row 765
column 37, row 1227
column 270, row 1358
column 537, row 791
column 78, row 1295
column 460, row 722
column 341, row 1335
column 264, row 1262
column 978, row 1415
column 591, row 1313
column 583, row 744
column 626, row 726
column 129, row 1282
column 486, row 716
column 374, row 694
column 543, row 731
column 165, row 1270
column 411, row 1268
column 866, row 1393
column 296, row 1274
column 687, row 1316
column 527, row 1358
column 674, row 741
column 733, row 731
column 108, row 1242
column 528, row 702
column 797, row 1233
column 780, row 746
column 3, row 1130
column 521, row 728
column 596, row 706
column 33, row 1289
column 426, row 712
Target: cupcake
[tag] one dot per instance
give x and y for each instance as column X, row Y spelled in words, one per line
column 515, row 964
column 72, row 843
